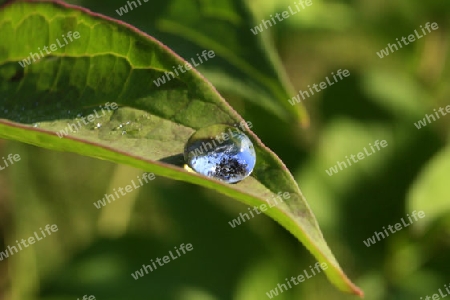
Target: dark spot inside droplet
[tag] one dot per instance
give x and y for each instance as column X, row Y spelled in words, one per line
column 229, row 167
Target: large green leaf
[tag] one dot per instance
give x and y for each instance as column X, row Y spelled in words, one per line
column 111, row 61
column 246, row 65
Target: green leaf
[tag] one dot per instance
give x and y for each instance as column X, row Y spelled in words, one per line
column 112, row 62
column 246, row 65
column 431, row 189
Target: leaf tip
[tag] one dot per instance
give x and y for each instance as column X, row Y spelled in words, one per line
column 356, row 290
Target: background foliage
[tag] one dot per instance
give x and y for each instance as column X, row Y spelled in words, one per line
column 380, row 100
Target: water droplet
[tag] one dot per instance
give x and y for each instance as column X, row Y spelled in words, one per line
column 222, row 152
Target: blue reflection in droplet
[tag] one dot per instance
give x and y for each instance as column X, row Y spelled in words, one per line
column 221, row 152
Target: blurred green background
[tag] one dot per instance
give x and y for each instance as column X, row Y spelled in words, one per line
column 96, row 250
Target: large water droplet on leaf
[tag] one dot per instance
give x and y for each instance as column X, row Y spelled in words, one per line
column 221, row 152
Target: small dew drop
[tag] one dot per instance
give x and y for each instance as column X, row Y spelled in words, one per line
column 221, row 152
column 128, row 128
